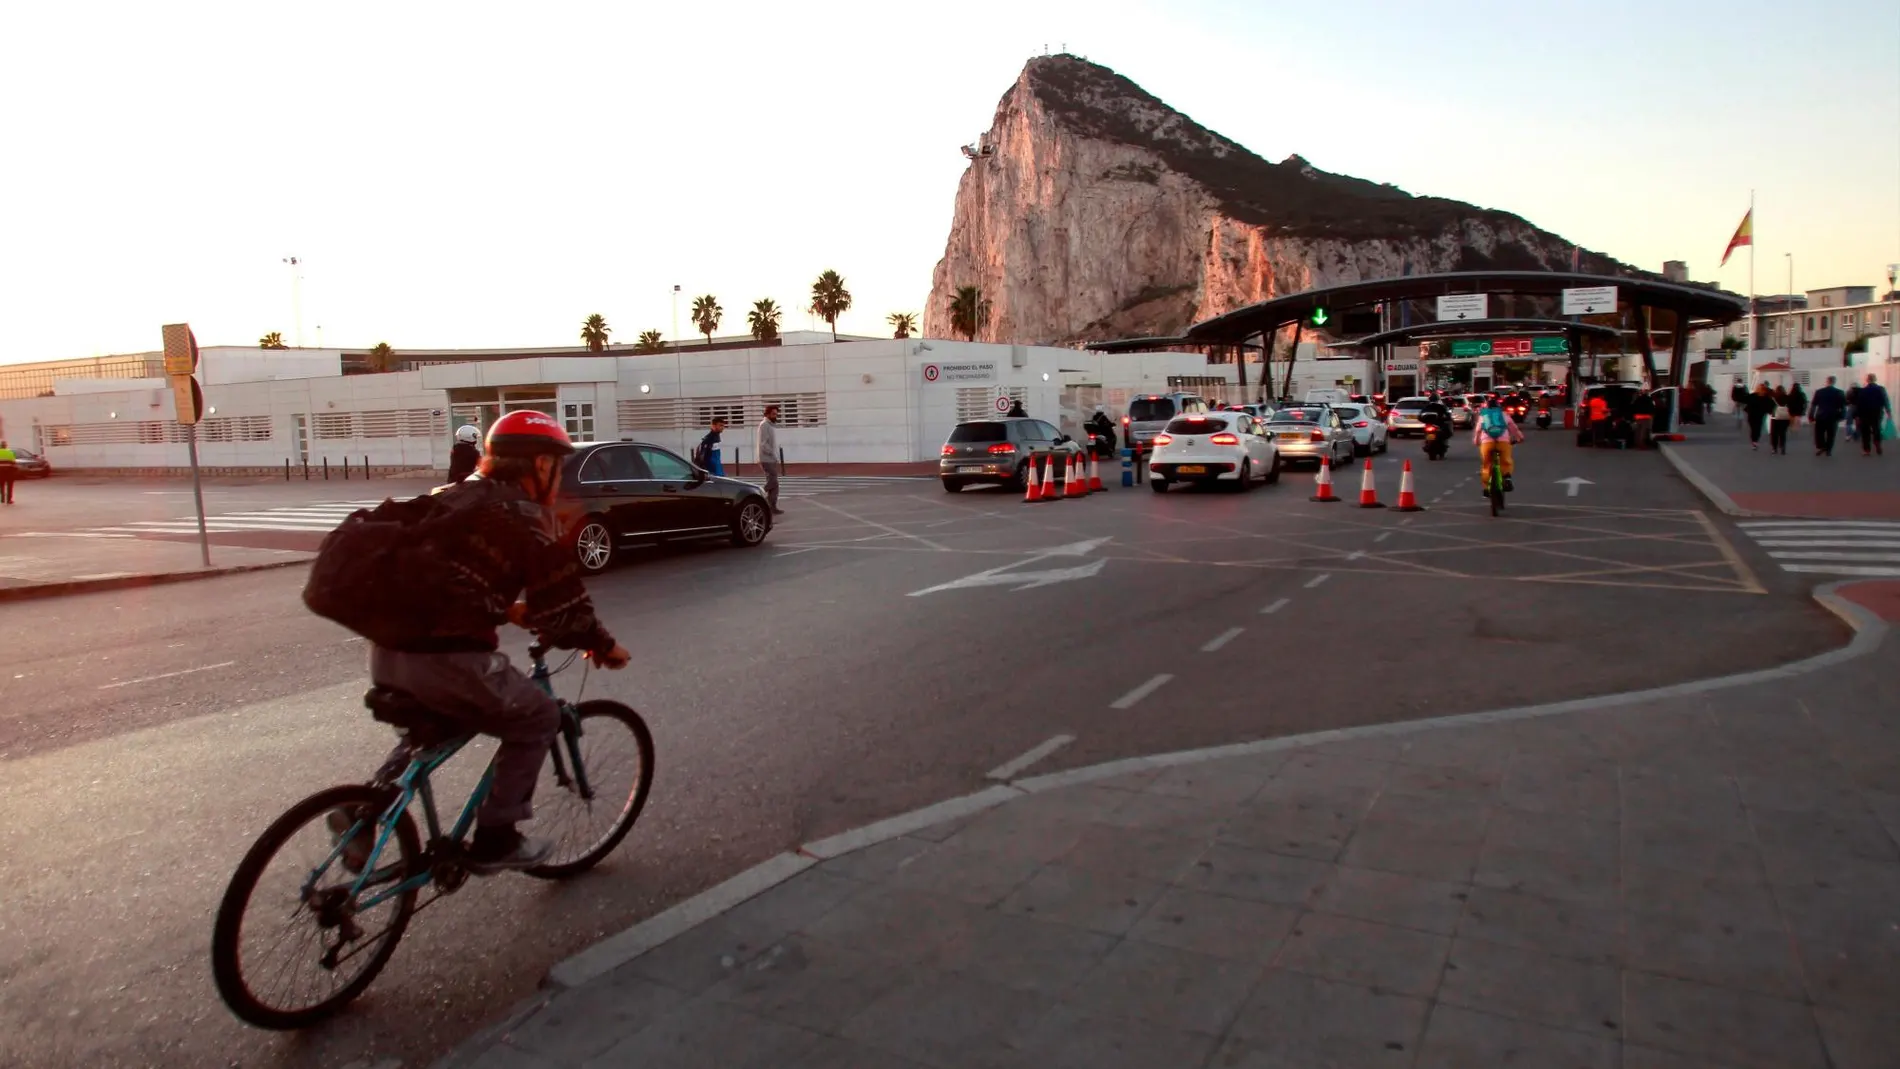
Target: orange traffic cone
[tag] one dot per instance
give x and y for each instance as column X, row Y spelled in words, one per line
column 1368, row 495
column 1072, row 478
column 1323, row 483
column 1034, row 491
column 1408, row 497
column 1048, row 492
column 1095, row 475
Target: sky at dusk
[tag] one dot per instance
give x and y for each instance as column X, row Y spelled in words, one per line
column 486, row 175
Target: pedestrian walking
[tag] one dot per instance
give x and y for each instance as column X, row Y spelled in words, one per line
column 1871, row 410
column 1706, row 394
column 1825, row 412
column 9, row 471
column 1738, row 399
column 1794, row 405
column 1853, row 403
column 706, row 453
column 1759, row 406
column 765, row 441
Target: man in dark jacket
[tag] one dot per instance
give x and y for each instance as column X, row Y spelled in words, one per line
column 1825, row 410
column 466, row 454
column 706, row 453
column 507, row 545
column 1738, row 397
column 1871, row 409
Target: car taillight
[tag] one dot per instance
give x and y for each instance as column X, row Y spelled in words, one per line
column 1362, row 423
column 1004, row 447
column 949, row 450
column 1318, row 437
column 1225, row 439
column 1164, row 439
column 1124, row 421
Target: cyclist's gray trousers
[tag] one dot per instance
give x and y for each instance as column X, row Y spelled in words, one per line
column 485, row 692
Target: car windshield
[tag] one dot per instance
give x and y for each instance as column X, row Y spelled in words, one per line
column 1350, row 411
column 1197, row 425
column 1297, row 415
column 986, row 431
column 1411, row 406
column 1150, row 409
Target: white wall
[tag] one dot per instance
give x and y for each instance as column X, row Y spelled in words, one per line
column 223, row 365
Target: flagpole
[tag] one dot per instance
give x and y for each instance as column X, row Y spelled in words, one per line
column 1754, row 312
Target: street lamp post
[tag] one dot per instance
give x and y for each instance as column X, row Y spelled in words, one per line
column 1794, row 321
column 1893, row 273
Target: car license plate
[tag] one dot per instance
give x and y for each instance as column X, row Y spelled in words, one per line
column 1191, row 469
column 1291, row 437
column 972, row 469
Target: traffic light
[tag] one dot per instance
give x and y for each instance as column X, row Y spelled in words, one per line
column 1320, row 317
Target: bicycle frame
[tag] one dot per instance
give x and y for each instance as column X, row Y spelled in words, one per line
column 414, row 784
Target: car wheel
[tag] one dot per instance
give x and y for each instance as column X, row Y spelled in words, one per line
column 594, row 545
column 1385, row 445
column 1358, row 452
column 752, row 523
column 1273, row 473
column 952, row 486
column 1020, row 483
column 1159, row 486
column 1245, row 482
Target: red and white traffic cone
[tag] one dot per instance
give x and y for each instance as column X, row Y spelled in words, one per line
column 1368, row 495
column 1095, row 475
column 1323, row 483
column 1408, row 497
column 1048, row 479
column 1072, row 478
column 1034, row 491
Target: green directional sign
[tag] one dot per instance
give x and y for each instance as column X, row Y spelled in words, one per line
column 1471, row 347
column 1321, row 317
column 1549, row 346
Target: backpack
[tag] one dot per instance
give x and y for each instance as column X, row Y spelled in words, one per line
column 703, row 453
column 1493, row 422
column 379, row 573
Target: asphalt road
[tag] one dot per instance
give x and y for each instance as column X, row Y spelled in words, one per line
column 884, row 650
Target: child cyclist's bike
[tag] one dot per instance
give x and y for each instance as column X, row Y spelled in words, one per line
column 1494, row 484
column 316, row 907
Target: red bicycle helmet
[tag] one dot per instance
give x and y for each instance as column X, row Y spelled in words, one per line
column 528, row 434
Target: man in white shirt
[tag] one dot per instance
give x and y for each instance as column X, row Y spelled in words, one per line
column 765, row 443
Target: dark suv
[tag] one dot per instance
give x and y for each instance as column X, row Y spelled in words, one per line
column 615, row 494
column 998, row 451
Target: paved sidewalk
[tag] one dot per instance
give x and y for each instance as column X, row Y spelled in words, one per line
column 50, row 564
column 1704, row 879
column 1743, row 481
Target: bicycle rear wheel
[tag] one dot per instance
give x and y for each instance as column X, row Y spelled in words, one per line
column 1497, row 495
column 616, row 755
column 290, row 947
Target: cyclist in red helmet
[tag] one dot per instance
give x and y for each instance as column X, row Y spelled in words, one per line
column 508, row 548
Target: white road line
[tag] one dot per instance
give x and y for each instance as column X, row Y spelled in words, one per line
column 1318, row 579
column 1275, row 607
column 1128, row 700
column 1826, row 543
column 1882, row 558
column 1356, row 554
column 1222, row 639
column 1383, row 535
column 1405, row 521
column 1008, row 769
column 1752, row 525
column 795, row 552
column 168, row 675
column 1839, row 569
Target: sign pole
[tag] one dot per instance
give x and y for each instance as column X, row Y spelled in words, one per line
column 198, row 493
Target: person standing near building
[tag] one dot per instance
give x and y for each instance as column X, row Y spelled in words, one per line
column 1871, row 409
column 1738, row 397
column 706, row 453
column 765, row 442
column 1825, row 410
column 1760, row 405
column 9, row 470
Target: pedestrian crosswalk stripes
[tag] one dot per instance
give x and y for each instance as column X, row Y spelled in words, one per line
column 1829, row 547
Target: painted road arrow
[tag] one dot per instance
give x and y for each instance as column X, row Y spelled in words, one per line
column 1001, row 575
column 1573, row 482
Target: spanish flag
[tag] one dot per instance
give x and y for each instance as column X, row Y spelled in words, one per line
column 1744, row 235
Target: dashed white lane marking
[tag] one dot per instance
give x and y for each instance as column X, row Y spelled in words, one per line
column 1222, row 639
column 1275, row 607
column 1318, row 579
column 1128, row 700
column 169, row 675
column 1383, row 535
column 796, row 552
column 1405, row 521
column 1008, row 769
column 1356, row 554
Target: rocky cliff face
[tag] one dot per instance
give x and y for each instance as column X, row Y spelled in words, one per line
column 1103, row 213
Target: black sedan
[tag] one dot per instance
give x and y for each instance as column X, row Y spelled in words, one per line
column 619, row 494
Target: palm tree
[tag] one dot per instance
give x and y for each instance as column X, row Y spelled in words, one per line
column 382, row 358
column 829, row 300
column 969, row 312
column 902, row 324
column 273, row 340
column 650, row 342
column 706, row 313
column 594, row 331
column 763, row 319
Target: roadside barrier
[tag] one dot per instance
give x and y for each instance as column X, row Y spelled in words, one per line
column 1032, row 481
column 1323, row 483
column 1048, row 479
column 1408, row 497
column 1072, row 485
column 1368, row 493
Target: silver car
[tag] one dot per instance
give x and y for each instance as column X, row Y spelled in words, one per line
column 1403, row 419
column 1149, row 413
column 1311, row 433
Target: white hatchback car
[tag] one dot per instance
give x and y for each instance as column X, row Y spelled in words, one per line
column 1368, row 430
column 1221, row 447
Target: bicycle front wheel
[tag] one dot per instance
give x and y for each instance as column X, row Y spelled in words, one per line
column 292, row 945
column 616, row 767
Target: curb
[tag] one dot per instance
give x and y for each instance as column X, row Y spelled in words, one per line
column 59, row 589
column 1714, row 493
column 1869, row 630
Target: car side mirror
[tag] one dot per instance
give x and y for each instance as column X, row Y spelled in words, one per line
column 700, row 475
column 1062, row 439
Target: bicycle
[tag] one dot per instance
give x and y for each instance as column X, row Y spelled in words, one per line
column 323, row 912
column 1494, row 482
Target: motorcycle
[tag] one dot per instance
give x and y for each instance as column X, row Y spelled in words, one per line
column 1543, row 419
column 1437, row 441
column 1102, row 444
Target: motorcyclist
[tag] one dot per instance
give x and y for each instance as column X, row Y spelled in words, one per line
column 1100, row 425
column 466, row 454
column 1437, row 420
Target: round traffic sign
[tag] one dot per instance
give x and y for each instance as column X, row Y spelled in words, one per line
column 1002, row 404
column 931, row 372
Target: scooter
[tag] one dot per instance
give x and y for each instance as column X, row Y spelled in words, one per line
column 1437, row 441
column 1543, row 419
